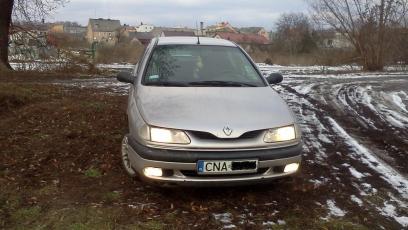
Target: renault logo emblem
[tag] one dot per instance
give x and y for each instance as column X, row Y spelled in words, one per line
column 227, row 130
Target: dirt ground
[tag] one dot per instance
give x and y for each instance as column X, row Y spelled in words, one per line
column 60, row 165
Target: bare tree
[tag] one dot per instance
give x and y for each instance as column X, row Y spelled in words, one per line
column 21, row 10
column 367, row 24
column 294, row 33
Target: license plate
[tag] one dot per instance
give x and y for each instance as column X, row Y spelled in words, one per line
column 227, row 167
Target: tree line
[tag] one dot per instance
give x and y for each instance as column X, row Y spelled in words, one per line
column 377, row 29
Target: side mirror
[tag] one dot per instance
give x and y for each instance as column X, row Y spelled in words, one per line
column 274, row 78
column 125, row 77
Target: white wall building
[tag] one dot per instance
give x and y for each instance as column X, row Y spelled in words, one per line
column 144, row 28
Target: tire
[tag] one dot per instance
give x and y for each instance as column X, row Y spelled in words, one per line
column 125, row 158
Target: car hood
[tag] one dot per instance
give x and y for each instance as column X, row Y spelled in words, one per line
column 211, row 109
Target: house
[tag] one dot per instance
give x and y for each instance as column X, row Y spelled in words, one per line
column 74, row 30
column 220, row 27
column 330, row 39
column 143, row 37
column 144, row 28
column 103, row 31
column 126, row 30
column 254, row 30
column 242, row 38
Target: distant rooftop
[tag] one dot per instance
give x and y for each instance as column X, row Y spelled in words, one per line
column 249, row 30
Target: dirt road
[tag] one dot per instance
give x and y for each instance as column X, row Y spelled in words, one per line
column 60, row 164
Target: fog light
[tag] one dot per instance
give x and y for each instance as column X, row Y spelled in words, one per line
column 153, row 172
column 291, row 168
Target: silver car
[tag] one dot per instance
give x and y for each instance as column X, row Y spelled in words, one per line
column 201, row 114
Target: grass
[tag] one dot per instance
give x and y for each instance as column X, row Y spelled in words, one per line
column 342, row 225
column 152, row 225
column 93, row 173
column 111, row 197
column 94, row 105
column 80, row 218
column 47, row 190
column 13, row 96
column 26, row 215
column 67, row 218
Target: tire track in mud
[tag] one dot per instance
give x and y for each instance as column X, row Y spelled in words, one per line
column 388, row 139
column 372, row 190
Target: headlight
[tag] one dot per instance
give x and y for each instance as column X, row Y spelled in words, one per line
column 170, row 136
column 280, row 134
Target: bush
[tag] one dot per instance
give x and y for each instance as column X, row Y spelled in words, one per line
column 128, row 52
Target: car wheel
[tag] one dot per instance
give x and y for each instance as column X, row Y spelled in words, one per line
column 125, row 158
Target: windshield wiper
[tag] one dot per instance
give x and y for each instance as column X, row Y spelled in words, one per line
column 167, row 83
column 220, row 83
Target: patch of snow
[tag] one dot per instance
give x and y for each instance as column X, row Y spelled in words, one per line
column 116, row 66
column 304, row 89
column 230, row 226
column 98, row 83
column 403, row 119
column 294, row 69
column 369, row 188
column 356, row 200
column 394, row 121
column 226, row 219
column 334, row 210
column 324, row 138
column 398, row 100
column 319, row 182
column 281, row 222
column 268, row 223
column 390, row 210
column 356, row 173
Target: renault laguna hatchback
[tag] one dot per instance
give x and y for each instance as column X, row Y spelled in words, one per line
column 201, row 114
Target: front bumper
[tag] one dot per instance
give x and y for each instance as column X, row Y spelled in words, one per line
column 180, row 166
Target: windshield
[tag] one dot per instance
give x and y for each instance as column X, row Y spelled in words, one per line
column 195, row 65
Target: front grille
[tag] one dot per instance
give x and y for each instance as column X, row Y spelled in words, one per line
column 204, row 135
column 252, row 134
column 210, row 136
column 193, row 173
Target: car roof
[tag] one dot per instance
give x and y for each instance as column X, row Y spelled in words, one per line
column 193, row 41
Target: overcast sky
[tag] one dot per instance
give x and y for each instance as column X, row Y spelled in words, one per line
column 180, row 12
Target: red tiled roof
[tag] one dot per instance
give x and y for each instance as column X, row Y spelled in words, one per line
column 243, row 38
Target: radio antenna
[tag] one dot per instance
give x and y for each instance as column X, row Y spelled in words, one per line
column 198, row 35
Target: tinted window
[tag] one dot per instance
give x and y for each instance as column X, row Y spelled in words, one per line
column 195, row 65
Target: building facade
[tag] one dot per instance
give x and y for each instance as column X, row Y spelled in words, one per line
column 104, row 31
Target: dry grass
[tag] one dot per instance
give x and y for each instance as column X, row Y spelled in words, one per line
column 120, row 53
